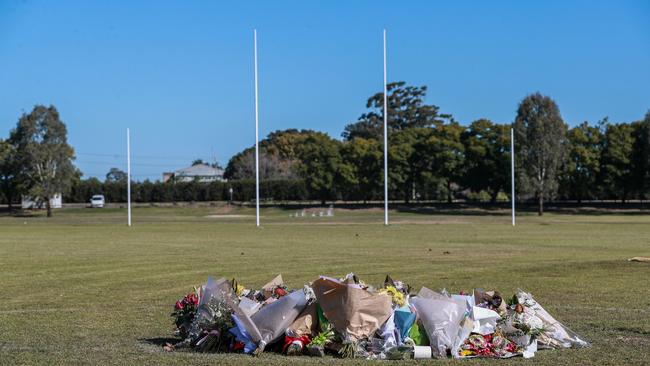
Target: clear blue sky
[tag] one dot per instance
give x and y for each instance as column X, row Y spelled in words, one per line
column 179, row 73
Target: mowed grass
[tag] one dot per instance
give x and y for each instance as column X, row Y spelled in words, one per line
column 82, row 288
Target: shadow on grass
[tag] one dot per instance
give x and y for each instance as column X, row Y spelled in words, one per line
column 484, row 209
column 159, row 341
column 5, row 212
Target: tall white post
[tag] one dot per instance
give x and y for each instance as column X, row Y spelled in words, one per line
column 385, row 137
column 257, row 138
column 512, row 173
column 128, row 176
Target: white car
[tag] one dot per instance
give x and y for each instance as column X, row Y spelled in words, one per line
column 97, row 201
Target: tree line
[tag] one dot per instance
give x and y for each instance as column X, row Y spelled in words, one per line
column 431, row 157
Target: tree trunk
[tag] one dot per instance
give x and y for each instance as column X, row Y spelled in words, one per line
column 48, row 206
column 449, row 194
column 540, row 207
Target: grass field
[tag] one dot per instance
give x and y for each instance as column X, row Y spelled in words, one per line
column 82, row 288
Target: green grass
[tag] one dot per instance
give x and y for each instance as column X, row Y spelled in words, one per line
column 82, row 288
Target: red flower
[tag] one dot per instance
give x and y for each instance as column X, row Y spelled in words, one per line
column 179, row 305
column 192, row 299
column 280, row 291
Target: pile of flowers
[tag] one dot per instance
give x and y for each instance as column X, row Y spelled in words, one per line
column 347, row 318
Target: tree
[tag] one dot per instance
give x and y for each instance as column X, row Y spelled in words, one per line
column 487, row 157
column 272, row 166
column 616, row 166
column 406, row 109
column 540, row 134
column 43, row 154
column 198, row 162
column 116, row 175
column 580, row 174
column 8, row 169
column 278, row 157
column 320, row 163
column 361, row 168
column 641, row 156
column 405, row 167
column 444, row 155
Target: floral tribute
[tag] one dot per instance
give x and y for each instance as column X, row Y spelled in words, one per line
column 347, row 318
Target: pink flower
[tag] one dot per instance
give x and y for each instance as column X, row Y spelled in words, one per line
column 192, row 299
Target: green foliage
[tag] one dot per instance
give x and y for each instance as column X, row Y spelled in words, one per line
column 405, row 170
column 444, row 155
column 8, row 170
column 361, row 168
column 406, row 109
column 150, row 192
column 487, row 157
column 579, row 179
column 641, row 157
column 616, row 165
column 278, row 157
column 43, row 154
column 431, row 157
column 198, row 162
column 481, row 196
column 540, row 138
column 320, row 161
column 116, row 175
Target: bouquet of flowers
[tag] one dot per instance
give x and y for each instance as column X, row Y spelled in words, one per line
column 441, row 317
column 184, row 311
column 531, row 318
column 211, row 318
column 489, row 345
column 350, row 319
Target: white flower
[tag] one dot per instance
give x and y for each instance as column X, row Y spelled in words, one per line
column 535, row 323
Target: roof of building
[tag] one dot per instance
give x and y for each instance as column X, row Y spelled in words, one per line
column 201, row 170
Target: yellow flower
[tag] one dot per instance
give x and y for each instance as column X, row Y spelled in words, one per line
column 465, row 353
column 398, row 297
column 239, row 289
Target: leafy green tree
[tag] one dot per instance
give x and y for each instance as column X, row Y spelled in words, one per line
column 444, row 155
column 116, row 175
column 285, row 143
column 580, row 174
column 278, row 157
column 9, row 186
column 406, row 109
column 487, row 157
column 320, row 164
column 361, row 168
column 43, row 154
column 616, row 166
column 641, row 157
column 405, row 168
column 272, row 166
column 540, row 136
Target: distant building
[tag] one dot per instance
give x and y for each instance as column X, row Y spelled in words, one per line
column 198, row 172
column 28, row 203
